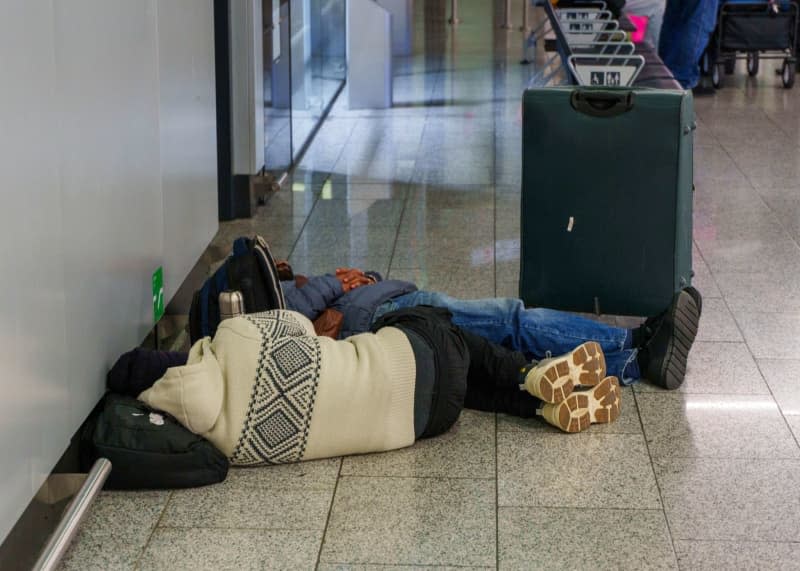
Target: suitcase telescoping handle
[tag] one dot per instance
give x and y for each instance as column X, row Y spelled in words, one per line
column 601, row 103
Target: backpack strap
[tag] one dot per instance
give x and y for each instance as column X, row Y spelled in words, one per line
column 269, row 271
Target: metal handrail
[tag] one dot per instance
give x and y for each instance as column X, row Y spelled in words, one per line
column 76, row 512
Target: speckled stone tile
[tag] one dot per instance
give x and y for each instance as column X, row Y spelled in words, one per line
column 715, row 426
column 718, row 368
column 412, row 521
column 431, row 196
column 115, row 531
column 462, row 282
column 771, row 335
column 262, row 497
column 715, row 163
column 231, row 549
column 428, row 223
column 794, row 424
column 715, row 555
column 345, row 240
column 339, row 189
column 360, row 567
column 444, row 252
column 548, row 538
column 703, row 280
column 507, row 289
column 756, row 223
column 289, row 202
column 777, row 292
column 531, row 471
column 716, row 323
column 734, row 256
column 319, row 264
column 352, row 213
column 464, row 451
column 507, row 270
column 731, row 499
column 383, row 170
column 782, row 378
column 627, row 423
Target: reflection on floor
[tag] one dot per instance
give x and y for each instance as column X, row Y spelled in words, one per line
column 703, row 478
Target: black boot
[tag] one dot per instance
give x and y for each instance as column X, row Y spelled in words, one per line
column 666, row 340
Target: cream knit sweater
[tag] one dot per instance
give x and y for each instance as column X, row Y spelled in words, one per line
column 266, row 389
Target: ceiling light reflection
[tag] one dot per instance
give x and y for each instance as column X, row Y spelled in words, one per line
column 731, row 405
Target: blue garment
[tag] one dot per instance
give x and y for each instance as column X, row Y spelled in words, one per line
column 357, row 306
column 314, row 297
column 535, row 332
column 687, row 28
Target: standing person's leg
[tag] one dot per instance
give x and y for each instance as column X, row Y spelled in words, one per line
column 537, row 332
column 687, row 28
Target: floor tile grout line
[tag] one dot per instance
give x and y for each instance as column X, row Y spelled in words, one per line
column 330, row 511
column 138, row 563
column 658, row 484
column 327, row 178
column 736, row 541
column 409, row 185
column 600, row 508
column 396, row 477
column 496, row 497
column 412, row 565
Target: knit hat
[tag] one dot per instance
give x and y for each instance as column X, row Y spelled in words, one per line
column 137, row 370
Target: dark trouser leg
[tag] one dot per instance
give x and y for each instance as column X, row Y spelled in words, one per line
column 493, row 378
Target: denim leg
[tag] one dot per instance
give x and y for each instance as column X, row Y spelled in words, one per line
column 687, row 28
column 536, row 332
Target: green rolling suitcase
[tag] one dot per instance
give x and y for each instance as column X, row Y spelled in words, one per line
column 606, row 198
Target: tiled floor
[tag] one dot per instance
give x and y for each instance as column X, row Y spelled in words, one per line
column 707, row 477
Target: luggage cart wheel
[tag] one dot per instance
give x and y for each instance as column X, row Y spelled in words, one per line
column 752, row 63
column 715, row 78
column 788, row 74
column 730, row 66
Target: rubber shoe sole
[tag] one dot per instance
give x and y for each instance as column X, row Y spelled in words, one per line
column 599, row 405
column 553, row 380
column 672, row 346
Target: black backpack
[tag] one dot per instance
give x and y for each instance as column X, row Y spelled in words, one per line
column 148, row 449
column 251, row 270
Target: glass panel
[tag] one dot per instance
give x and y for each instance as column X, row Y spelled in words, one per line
column 318, row 62
column 277, row 87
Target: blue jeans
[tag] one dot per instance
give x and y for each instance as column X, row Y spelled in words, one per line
column 535, row 332
column 687, row 28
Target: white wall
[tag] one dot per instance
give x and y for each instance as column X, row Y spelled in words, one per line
column 107, row 171
column 188, row 134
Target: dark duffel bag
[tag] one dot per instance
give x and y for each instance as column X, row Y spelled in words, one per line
column 148, row 449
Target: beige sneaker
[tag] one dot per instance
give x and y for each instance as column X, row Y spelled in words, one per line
column 600, row 404
column 553, row 380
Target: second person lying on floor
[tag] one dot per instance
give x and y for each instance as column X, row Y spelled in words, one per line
column 657, row 351
column 267, row 389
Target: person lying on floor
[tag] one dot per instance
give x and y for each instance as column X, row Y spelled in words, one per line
column 267, row 389
column 658, row 350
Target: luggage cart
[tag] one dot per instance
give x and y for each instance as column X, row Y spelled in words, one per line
column 754, row 31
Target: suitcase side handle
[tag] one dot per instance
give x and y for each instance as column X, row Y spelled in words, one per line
column 602, row 103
